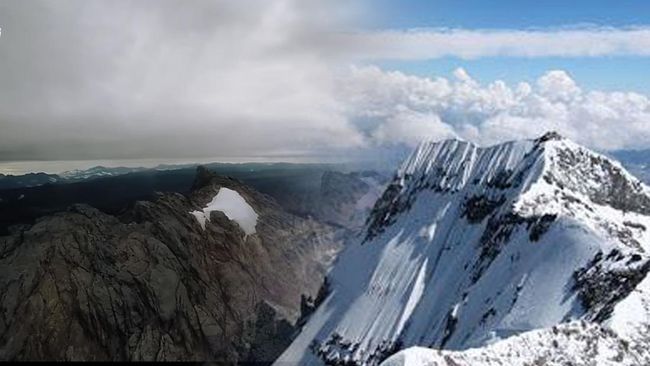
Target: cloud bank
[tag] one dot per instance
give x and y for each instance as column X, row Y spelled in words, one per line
column 397, row 108
column 166, row 78
column 422, row 44
column 116, row 79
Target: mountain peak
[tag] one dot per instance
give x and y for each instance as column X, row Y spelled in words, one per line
column 470, row 244
column 203, row 177
column 549, row 136
column 547, row 175
column 574, row 171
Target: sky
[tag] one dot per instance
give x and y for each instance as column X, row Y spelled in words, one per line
column 520, row 14
column 609, row 73
column 276, row 79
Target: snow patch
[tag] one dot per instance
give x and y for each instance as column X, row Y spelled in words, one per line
column 234, row 206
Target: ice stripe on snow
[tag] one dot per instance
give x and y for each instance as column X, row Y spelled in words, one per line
column 414, row 298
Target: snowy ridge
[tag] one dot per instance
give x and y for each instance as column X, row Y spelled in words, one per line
column 461, row 160
column 575, row 343
column 469, row 245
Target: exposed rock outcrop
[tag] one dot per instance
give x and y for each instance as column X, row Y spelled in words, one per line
column 153, row 285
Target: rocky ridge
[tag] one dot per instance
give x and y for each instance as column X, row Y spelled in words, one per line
column 152, row 285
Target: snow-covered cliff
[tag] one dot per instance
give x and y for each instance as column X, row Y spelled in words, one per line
column 469, row 245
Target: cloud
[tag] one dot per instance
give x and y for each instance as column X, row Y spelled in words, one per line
column 398, row 108
column 411, row 127
column 160, row 79
column 421, row 44
column 117, row 79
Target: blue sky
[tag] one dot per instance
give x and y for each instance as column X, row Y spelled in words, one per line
column 599, row 73
column 506, row 13
column 628, row 72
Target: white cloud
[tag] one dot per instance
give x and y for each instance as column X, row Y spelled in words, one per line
column 118, row 79
column 557, row 85
column 158, row 78
column 396, row 108
column 411, row 127
column 418, row 44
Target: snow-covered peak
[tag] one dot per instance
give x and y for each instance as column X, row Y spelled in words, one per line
column 469, row 244
column 546, row 175
column 574, row 169
column 453, row 164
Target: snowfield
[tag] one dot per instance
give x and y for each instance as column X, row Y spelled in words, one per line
column 233, row 205
column 484, row 251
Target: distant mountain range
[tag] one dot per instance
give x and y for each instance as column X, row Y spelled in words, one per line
column 39, row 179
column 636, row 161
column 303, row 189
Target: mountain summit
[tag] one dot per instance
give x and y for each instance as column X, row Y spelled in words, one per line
column 470, row 245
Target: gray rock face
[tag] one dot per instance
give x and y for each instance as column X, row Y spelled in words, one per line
column 153, row 285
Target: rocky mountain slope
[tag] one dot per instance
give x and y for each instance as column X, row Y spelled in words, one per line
column 471, row 245
column 153, row 284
